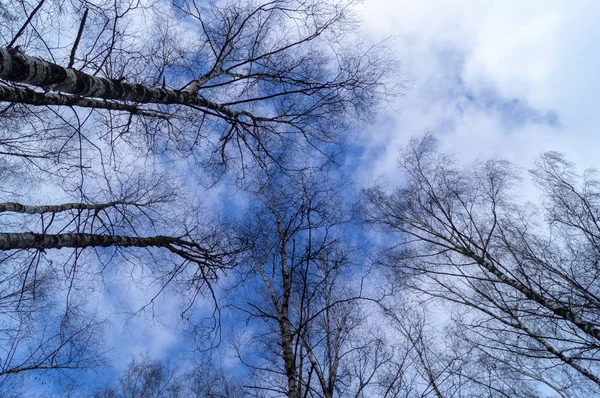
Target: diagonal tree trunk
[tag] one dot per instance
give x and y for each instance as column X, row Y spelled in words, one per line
column 27, row 209
column 556, row 307
column 18, row 67
column 185, row 249
column 30, row 240
column 28, row 96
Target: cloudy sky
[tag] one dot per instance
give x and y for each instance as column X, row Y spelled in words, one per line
column 507, row 79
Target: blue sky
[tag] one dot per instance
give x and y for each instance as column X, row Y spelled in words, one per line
column 490, row 79
column 504, row 79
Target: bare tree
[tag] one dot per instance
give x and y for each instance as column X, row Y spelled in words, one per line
column 303, row 294
column 524, row 278
column 254, row 76
column 145, row 377
column 113, row 109
column 39, row 334
column 213, row 381
column 432, row 359
column 52, row 253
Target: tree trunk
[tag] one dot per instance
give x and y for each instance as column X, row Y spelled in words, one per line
column 26, row 209
column 28, row 96
column 30, row 240
column 289, row 359
column 558, row 309
column 18, row 67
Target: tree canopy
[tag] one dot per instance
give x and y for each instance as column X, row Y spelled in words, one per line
column 186, row 162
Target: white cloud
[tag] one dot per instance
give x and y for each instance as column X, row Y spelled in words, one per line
column 491, row 79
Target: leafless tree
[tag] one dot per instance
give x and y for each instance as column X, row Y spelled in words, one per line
column 145, row 377
column 254, row 76
column 432, row 359
column 246, row 78
column 303, row 295
column 39, row 334
column 213, row 381
column 524, row 279
column 113, row 109
column 72, row 245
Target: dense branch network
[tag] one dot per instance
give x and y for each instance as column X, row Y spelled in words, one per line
column 117, row 110
column 465, row 240
column 266, row 76
column 184, row 248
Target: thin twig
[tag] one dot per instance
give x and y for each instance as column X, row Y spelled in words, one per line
column 74, row 49
column 20, row 32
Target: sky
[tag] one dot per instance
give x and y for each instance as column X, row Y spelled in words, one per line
column 502, row 79
column 509, row 79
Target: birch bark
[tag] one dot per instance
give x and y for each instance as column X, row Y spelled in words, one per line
column 18, row 67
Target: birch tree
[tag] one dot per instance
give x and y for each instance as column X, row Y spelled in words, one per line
column 138, row 79
column 264, row 80
column 145, row 377
column 251, row 77
column 49, row 276
column 522, row 277
column 114, row 111
column 303, row 295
